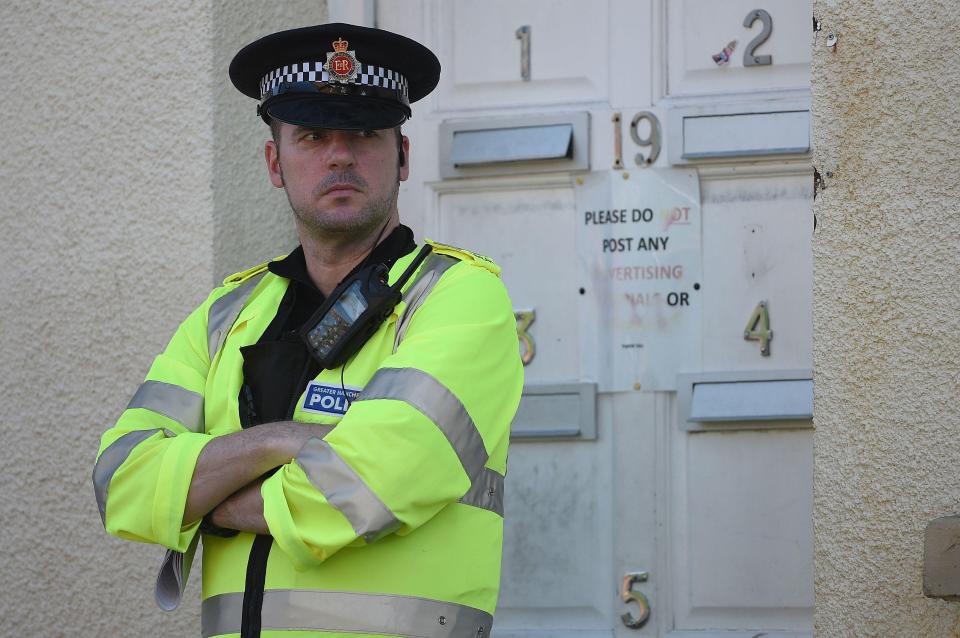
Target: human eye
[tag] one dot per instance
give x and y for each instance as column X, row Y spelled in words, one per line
column 367, row 133
column 311, row 135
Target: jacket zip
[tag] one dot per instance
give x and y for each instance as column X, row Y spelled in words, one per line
column 260, row 550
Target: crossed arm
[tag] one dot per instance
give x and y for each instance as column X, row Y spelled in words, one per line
column 227, row 477
column 407, row 464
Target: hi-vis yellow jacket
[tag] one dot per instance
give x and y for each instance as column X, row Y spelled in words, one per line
column 390, row 525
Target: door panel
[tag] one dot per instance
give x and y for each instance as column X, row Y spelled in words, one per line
column 518, row 229
column 700, row 29
column 756, row 247
column 479, row 40
column 744, row 531
column 553, row 576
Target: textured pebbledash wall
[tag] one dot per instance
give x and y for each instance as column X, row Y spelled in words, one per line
column 886, row 102
column 252, row 219
column 131, row 181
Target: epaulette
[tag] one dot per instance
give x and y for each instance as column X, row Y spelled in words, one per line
column 243, row 275
column 465, row 255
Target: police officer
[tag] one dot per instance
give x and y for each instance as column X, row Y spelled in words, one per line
column 334, row 424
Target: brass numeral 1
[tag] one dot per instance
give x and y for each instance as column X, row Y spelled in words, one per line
column 523, row 34
column 758, row 328
column 617, row 142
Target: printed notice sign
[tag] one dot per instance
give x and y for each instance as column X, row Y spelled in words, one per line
column 638, row 241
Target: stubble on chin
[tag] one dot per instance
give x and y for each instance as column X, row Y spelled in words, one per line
column 366, row 221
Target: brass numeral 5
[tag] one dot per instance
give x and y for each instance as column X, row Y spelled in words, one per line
column 627, row 594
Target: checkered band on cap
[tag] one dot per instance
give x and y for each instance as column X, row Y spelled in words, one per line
column 368, row 75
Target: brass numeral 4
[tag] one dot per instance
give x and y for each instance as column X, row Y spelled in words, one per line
column 758, row 328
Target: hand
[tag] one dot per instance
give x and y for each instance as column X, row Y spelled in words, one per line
column 242, row 511
column 230, row 463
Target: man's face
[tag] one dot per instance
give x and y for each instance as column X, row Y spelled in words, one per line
column 338, row 182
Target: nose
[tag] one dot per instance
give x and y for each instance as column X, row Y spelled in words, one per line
column 340, row 150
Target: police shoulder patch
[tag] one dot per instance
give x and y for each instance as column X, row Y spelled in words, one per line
column 465, row 255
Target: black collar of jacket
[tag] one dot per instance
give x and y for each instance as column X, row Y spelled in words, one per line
column 398, row 243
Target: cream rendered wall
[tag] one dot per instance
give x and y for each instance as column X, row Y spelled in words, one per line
column 128, row 168
column 252, row 219
column 886, row 101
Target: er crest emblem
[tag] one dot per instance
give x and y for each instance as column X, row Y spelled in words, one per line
column 342, row 65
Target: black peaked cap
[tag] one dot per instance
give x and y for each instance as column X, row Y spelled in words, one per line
column 391, row 71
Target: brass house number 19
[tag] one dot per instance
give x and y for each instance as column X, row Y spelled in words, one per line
column 651, row 140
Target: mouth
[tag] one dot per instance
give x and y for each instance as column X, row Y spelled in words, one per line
column 340, row 190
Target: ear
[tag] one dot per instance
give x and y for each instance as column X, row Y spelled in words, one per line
column 271, row 153
column 405, row 169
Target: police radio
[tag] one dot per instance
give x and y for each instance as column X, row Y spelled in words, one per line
column 354, row 311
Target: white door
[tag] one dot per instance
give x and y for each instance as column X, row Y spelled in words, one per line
column 710, row 497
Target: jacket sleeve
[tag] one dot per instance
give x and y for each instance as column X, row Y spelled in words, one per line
column 146, row 460
column 433, row 416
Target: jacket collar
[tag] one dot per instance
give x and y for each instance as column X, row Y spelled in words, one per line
column 398, row 243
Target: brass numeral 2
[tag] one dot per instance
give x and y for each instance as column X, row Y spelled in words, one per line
column 766, row 21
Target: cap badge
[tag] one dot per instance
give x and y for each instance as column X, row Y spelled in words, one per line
column 342, row 65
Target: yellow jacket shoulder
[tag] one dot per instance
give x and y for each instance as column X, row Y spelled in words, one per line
column 465, row 255
column 243, row 275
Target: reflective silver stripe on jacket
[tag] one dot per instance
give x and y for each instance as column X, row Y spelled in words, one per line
column 182, row 405
column 415, row 295
column 224, row 311
column 437, row 403
column 487, row 489
column 110, row 461
column 345, row 490
column 349, row 612
column 486, row 492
